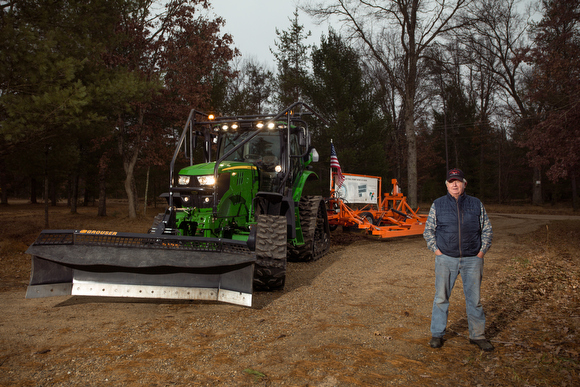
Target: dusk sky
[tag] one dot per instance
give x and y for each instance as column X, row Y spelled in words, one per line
column 253, row 25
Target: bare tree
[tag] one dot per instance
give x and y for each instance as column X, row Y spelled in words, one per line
column 417, row 24
column 497, row 42
column 251, row 90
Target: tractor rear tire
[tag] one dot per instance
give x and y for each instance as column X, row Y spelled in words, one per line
column 315, row 230
column 271, row 241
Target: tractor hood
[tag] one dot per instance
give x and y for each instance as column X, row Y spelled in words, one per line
column 208, row 168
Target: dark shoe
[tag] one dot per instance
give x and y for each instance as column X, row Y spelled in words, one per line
column 436, row 342
column 483, row 344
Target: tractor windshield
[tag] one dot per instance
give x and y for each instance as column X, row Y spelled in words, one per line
column 262, row 149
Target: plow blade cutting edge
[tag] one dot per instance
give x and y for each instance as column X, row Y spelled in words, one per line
column 114, row 264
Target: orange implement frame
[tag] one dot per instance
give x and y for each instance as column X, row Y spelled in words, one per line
column 392, row 217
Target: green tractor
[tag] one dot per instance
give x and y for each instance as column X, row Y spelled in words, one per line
column 230, row 226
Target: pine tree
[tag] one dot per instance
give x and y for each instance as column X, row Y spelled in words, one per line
column 292, row 57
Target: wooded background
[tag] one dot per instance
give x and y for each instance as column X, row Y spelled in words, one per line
column 94, row 93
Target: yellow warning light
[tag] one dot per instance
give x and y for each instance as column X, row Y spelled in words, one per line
column 211, row 117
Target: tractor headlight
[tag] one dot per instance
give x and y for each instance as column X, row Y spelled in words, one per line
column 183, row 180
column 206, row 180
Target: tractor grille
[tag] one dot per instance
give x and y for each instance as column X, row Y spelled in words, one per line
column 148, row 241
column 195, row 195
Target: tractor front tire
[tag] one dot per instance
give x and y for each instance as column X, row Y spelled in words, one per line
column 271, row 241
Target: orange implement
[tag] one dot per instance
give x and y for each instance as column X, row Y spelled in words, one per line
column 392, row 217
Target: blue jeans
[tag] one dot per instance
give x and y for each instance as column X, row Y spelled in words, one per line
column 446, row 271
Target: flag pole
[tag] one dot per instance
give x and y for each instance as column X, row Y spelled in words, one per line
column 331, row 177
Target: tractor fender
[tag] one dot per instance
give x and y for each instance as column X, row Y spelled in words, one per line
column 301, row 183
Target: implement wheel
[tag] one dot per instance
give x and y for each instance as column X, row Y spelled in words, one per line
column 271, row 241
column 368, row 216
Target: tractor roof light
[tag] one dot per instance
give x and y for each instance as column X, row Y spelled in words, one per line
column 271, row 125
column 235, row 126
column 225, row 127
column 260, row 125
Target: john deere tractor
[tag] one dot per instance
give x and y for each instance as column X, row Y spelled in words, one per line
column 230, row 225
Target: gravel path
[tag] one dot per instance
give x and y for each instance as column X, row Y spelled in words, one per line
column 357, row 317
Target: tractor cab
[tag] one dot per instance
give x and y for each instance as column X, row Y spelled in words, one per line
column 263, row 151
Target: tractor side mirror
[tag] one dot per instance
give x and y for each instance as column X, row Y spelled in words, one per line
column 314, row 155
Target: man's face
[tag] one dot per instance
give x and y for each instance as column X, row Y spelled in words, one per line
column 455, row 188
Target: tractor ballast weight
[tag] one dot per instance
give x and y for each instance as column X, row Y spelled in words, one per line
column 230, row 225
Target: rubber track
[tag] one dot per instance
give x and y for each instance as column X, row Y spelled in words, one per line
column 322, row 231
column 313, row 226
column 271, row 237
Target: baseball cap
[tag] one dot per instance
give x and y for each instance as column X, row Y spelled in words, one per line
column 455, row 174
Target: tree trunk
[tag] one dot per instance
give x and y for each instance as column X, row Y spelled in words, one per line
column 46, row 187
column 130, row 155
column 102, row 211
column 135, row 193
column 146, row 189
column 499, row 165
column 481, row 166
column 53, row 198
column 155, row 195
column 411, row 162
column 75, row 193
column 411, row 144
column 86, row 194
column 33, row 190
column 574, row 191
column 537, row 190
column 3, row 183
column 46, row 200
column 400, row 145
column 129, row 162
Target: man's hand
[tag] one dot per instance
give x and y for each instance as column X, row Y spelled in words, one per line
column 480, row 254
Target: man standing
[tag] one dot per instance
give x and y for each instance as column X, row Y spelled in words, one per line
column 459, row 232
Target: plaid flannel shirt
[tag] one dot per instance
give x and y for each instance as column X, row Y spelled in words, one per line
column 484, row 224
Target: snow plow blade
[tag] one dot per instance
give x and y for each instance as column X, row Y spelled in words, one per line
column 115, row 264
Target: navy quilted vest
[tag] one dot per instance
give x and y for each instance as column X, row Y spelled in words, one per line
column 458, row 230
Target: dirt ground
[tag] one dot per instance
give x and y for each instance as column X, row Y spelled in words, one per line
column 358, row 317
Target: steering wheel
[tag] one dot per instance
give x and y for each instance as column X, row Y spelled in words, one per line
column 251, row 156
column 270, row 160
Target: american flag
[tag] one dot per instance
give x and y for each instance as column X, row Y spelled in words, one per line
column 335, row 164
